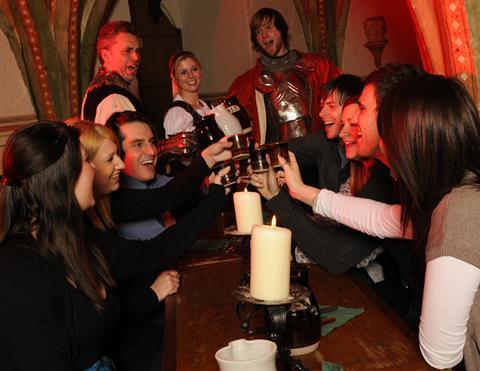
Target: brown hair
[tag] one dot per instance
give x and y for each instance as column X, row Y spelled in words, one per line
column 268, row 15
column 42, row 163
column 360, row 171
column 118, row 119
column 431, row 131
column 108, row 31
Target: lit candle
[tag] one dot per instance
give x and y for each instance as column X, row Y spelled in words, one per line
column 248, row 210
column 270, row 262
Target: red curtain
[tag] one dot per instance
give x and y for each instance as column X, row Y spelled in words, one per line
column 443, row 29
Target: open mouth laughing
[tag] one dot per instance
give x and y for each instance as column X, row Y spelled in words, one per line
column 147, row 162
column 116, row 177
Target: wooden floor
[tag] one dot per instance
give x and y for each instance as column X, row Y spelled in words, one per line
column 201, row 319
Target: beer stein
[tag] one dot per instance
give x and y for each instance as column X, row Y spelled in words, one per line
column 207, row 131
column 235, row 108
column 258, row 160
column 239, row 147
column 275, row 149
column 227, row 122
column 229, row 178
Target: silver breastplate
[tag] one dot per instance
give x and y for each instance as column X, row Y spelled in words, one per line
column 289, row 95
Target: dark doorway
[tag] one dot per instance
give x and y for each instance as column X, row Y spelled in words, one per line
column 159, row 40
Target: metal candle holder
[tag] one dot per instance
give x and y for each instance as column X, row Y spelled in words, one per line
column 291, row 329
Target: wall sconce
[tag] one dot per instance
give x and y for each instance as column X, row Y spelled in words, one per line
column 375, row 29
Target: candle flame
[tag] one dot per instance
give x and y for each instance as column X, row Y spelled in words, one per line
column 274, row 221
column 245, row 189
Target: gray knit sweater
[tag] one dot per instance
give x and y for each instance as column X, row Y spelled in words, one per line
column 454, row 231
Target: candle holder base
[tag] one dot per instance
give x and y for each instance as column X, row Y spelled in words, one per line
column 238, row 242
column 290, row 323
column 297, row 293
column 293, row 323
column 235, row 233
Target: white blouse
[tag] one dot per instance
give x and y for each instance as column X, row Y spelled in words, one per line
column 109, row 105
column 177, row 119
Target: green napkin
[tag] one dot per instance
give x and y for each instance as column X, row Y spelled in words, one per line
column 341, row 314
column 329, row 366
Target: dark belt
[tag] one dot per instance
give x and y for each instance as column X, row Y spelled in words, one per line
column 296, row 128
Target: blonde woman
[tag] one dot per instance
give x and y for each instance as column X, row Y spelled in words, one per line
column 139, row 298
column 186, row 76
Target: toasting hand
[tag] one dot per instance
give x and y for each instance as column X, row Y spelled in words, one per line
column 217, row 152
column 266, row 183
column 292, row 178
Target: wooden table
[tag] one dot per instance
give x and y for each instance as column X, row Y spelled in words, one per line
column 201, row 319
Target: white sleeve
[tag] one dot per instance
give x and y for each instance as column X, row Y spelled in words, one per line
column 177, row 120
column 449, row 292
column 110, row 104
column 362, row 214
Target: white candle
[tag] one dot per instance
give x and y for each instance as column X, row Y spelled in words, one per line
column 270, row 262
column 248, row 210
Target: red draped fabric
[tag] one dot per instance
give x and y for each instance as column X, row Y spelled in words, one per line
column 324, row 23
column 443, row 29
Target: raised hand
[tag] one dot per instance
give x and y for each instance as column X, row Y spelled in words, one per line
column 217, row 152
column 266, row 183
column 217, row 178
column 293, row 180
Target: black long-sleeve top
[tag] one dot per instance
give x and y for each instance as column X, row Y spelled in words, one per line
column 137, row 298
column 130, row 204
column 325, row 159
column 48, row 325
column 335, row 248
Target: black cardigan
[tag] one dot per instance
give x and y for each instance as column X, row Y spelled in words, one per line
column 130, row 204
column 46, row 324
column 335, row 248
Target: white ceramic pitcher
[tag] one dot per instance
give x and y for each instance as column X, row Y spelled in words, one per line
column 247, row 355
column 226, row 121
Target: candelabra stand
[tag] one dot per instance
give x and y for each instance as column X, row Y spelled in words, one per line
column 279, row 318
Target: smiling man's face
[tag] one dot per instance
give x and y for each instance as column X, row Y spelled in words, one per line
column 331, row 115
column 140, row 150
column 123, row 56
column 270, row 40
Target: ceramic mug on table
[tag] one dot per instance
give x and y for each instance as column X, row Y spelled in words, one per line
column 247, row 355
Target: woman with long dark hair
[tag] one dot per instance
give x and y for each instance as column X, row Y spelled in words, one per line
column 56, row 270
column 54, row 281
column 430, row 137
column 430, row 130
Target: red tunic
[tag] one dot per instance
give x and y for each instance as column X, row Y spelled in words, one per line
column 323, row 70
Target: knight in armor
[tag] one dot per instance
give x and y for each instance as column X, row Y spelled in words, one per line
column 111, row 90
column 282, row 92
